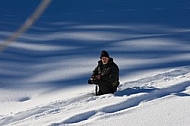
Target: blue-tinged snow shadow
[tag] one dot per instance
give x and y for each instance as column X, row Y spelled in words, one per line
column 86, row 44
column 182, row 94
column 67, row 31
column 77, row 118
column 134, row 90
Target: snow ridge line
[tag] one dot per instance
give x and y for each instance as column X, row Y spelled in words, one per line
column 40, row 111
column 151, row 80
column 132, row 102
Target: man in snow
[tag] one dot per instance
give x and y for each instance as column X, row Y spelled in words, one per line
column 105, row 75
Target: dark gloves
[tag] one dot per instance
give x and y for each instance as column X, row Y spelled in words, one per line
column 97, row 77
column 94, row 79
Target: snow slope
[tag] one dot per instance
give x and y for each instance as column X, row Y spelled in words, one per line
column 44, row 73
column 160, row 99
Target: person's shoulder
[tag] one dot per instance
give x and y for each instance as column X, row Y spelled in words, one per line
column 111, row 60
column 114, row 64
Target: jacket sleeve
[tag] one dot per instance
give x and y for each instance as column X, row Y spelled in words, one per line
column 95, row 71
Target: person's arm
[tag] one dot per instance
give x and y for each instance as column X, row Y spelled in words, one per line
column 93, row 78
column 95, row 71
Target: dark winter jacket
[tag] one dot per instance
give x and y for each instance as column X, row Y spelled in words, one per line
column 109, row 72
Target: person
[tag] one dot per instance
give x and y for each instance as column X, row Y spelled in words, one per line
column 105, row 75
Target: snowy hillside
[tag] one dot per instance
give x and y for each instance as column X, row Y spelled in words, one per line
column 44, row 73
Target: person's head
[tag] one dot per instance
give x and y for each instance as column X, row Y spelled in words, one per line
column 104, row 57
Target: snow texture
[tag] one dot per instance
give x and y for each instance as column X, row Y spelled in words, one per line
column 44, row 72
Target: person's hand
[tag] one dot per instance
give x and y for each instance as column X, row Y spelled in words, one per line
column 97, row 77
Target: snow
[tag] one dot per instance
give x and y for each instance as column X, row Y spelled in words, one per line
column 44, row 73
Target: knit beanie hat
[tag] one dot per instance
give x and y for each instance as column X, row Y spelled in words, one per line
column 104, row 54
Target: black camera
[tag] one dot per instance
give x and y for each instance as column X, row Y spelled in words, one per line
column 90, row 81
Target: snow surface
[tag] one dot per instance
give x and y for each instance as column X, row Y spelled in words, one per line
column 44, row 73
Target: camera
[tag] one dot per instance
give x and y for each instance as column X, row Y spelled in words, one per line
column 90, row 81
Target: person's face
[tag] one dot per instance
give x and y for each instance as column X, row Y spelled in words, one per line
column 105, row 60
